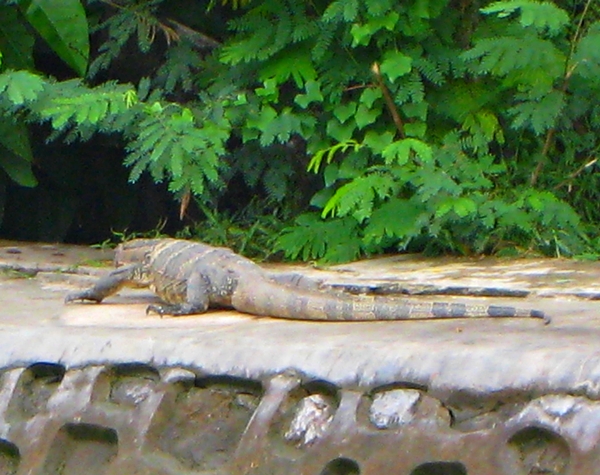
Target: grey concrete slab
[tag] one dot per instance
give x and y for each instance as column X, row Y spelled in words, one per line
column 229, row 393
column 482, row 355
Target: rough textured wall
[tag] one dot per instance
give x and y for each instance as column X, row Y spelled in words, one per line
column 140, row 419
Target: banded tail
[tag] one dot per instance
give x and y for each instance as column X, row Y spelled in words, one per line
column 276, row 300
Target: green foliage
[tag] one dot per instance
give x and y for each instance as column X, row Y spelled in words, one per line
column 248, row 230
column 314, row 238
column 118, row 237
column 20, row 87
column 545, row 17
column 72, row 106
column 63, row 24
column 136, row 21
column 447, row 180
column 424, row 126
column 16, row 89
column 171, row 143
column 15, row 54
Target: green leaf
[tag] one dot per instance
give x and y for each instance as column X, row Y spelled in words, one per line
column 294, row 62
column 416, row 110
column 63, row 24
column 543, row 16
column 461, row 205
column 14, row 136
column 586, row 60
column 396, row 64
column 269, row 90
column 97, row 111
column 21, row 86
column 330, row 176
column 365, row 116
column 262, row 120
column 343, row 112
column 464, row 206
column 16, row 43
column 357, row 197
column 79, row 105
column 380, row 7
column 538, row 58
column 362, row 33
column 378, row 142
column 350, row 9
column 415, row 129
column 339, row 10
column 313, row 94
column 396, row 218
column 311, row 237
column 281, row 128
column 539, row 115
column 484, row 125
column 340, row 132
column 328, row 153
column 369, row 96
column 17, row 168
column 401, row 151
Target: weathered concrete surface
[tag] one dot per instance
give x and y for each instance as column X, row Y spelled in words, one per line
column 523, row 394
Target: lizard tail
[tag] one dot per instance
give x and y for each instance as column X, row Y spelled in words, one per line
column 281, row 301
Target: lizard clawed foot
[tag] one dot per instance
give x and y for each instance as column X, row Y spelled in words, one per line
column 175, row 310
column 547, row 319
column 80, row 296
column 158, row 309
column 539, row 314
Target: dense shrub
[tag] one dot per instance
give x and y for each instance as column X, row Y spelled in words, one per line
column 445, row 126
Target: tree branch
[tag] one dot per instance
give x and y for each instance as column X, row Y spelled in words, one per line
column 388, row 100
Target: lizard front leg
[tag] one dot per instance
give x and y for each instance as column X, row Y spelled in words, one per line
column 106, row 285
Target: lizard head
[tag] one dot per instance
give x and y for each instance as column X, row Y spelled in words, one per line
column 133, row 252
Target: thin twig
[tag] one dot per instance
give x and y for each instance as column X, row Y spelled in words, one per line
column 199, row 39
column 577, row 172
column 542, row 160
column 388, row 100
column 358, row 86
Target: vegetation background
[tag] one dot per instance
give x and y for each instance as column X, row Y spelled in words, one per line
column 318, row 129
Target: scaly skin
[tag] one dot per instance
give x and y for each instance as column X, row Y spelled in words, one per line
column 190, row 277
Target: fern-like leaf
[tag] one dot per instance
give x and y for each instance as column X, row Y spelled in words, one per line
column 21, row 87
column 586, row 60
column 311, row 237
column 503, row 55
column 169, row 143
column 539, row 115
column 542, row 16
column 72, row 104
column 357, row 197
column 397, row 218
column 341, row 10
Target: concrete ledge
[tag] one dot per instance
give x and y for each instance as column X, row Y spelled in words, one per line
column 229, row 393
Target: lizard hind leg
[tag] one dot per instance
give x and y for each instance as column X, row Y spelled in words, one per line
column 197, row 299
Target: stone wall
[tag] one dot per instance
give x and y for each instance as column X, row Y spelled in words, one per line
column 140, row 419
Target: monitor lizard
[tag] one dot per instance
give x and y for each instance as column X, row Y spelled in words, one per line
column 189, row 277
